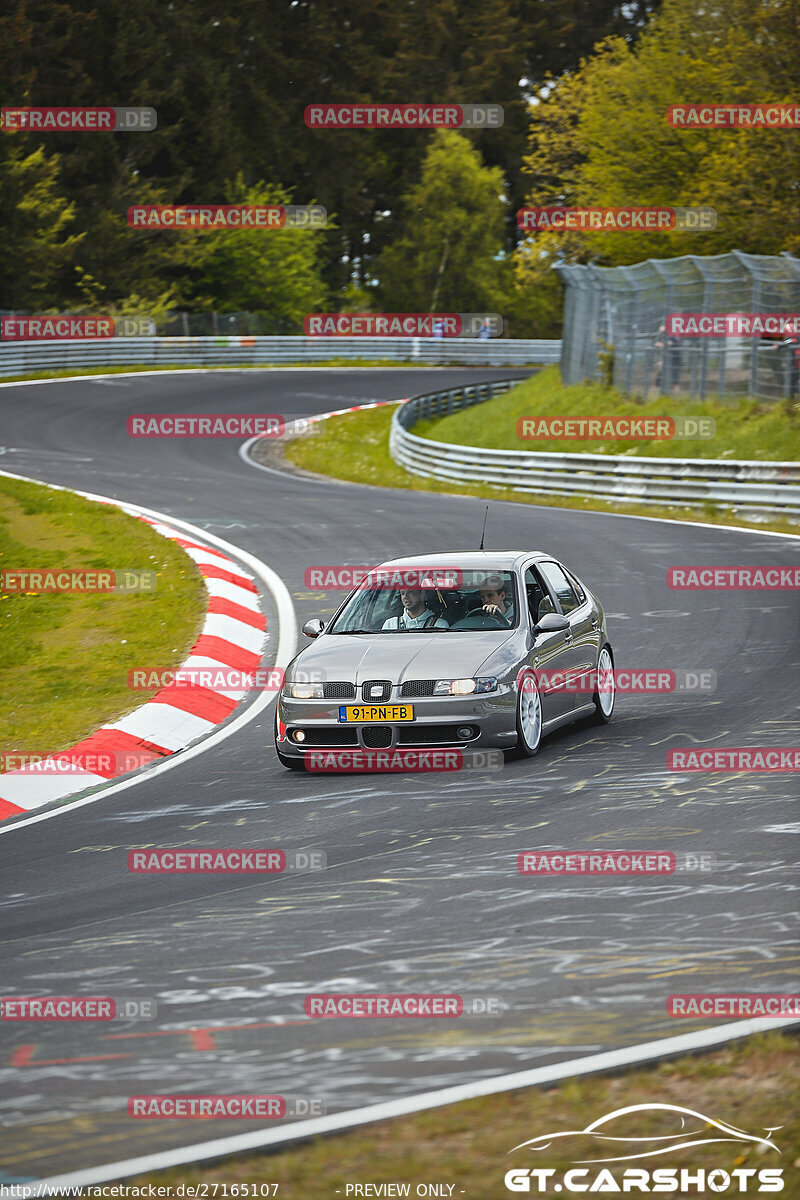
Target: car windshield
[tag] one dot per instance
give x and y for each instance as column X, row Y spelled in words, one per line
column 481, row 600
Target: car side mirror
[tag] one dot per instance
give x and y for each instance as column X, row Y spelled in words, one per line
column 550, row 623
column 314, row 627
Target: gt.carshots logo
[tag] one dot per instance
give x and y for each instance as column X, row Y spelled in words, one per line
column 618, row 1138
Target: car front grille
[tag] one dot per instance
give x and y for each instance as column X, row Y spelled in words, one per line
column 429, row 735
column 377, row 737
column 339, row 690
column 415, row 688
column 376, row 691
column 331, row 735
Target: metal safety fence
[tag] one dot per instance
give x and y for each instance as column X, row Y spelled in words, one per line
column 767, row 487
column 17, row 358
column 614, row 325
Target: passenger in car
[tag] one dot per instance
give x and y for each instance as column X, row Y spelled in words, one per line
column 415, row 615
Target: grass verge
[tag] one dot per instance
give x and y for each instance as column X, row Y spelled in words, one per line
column 355, row 447
column 751, row 1084
column 745, row 428
column 64, row 657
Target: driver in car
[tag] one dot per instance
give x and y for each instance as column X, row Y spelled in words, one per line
column 414, row 615
column 493, row 599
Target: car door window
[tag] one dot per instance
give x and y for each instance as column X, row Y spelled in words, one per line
column 537, row 596
column 560, row 585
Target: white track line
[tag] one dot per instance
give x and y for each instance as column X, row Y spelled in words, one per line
column 218, row 371
column 287, row 645
column 239, row 1143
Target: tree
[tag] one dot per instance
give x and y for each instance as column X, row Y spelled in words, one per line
column 447, row 255
column 273, row 272
column 35, row 219
column 600, row 138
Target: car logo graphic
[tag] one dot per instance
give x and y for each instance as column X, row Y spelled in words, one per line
column 681, row 1140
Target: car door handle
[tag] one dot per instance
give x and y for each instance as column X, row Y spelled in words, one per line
column 595, row 623
column 568, row 636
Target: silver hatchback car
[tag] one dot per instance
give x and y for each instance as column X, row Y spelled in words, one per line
column 477, row 649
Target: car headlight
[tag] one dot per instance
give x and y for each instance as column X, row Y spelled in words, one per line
column 464, row 687
column 305, row 691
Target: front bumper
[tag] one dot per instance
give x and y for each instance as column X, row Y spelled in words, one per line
column 492, row 719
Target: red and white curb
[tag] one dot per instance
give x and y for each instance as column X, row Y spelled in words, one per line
column 234, row 635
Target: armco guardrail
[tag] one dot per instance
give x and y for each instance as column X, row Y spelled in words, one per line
column 767, row 486
column 17, row 358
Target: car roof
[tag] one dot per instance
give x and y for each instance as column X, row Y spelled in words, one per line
column 470, row 560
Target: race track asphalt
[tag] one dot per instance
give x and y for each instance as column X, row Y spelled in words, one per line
column 421, row 892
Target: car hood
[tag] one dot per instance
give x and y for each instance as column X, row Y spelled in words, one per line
column 400, row 656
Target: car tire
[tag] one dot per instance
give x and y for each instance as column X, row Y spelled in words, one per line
column 604, row 701
column 529, row 718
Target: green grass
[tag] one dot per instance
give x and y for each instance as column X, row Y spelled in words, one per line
column 745, row 428
column 355, row 447
column 752, row 1085
column 65, row 658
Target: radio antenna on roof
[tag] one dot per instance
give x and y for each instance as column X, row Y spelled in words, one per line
column 483, row 534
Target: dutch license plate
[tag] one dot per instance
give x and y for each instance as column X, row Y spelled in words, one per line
column 364, row 713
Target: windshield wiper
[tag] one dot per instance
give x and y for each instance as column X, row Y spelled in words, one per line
column 356, row 631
